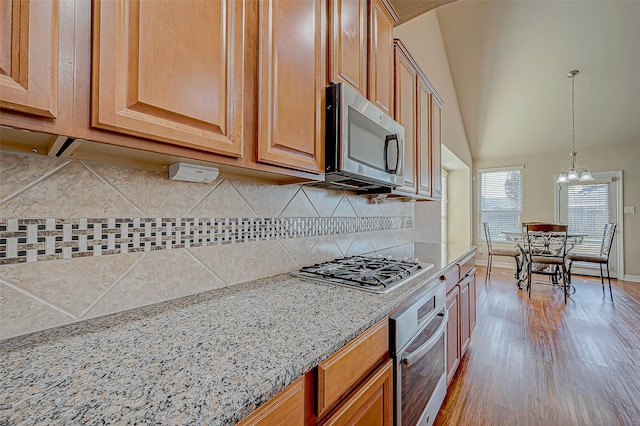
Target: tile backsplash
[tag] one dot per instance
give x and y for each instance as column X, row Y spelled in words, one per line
column 81, row 239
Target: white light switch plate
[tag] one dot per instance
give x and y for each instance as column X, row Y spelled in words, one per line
column 629, row 209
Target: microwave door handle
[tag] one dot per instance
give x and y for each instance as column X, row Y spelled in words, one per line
column 389, row 138
column 428, row 345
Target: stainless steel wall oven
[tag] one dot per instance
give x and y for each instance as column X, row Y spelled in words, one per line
column 418, row 344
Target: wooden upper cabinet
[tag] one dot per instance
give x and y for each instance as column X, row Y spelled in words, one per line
column 170, row 71
column 423, row 138
column 381, row 20
column 348, row 43
column 291, row 83
column 29, row 56
column 436, row 140
column 405, row 113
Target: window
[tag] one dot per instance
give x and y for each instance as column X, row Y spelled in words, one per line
column 500, row 201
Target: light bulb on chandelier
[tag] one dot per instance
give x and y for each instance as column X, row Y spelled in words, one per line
column 575, row 173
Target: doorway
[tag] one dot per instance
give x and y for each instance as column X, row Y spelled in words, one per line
column 586, row 207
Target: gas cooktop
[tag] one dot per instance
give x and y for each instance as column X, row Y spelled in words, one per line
column 373, row 274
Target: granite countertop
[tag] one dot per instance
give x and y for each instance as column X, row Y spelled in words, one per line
column 210, row 358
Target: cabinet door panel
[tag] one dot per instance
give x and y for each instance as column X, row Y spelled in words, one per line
column 436, row 160
column 381, row 57
column 472, row 301
column 405, row 112
column 369, row 405
column 29, row 56
column 348, row 43
column 453, row 333
column 292, row 83
column 424, row 139
column 170, row 71
column 286, row 408
column 465, row 319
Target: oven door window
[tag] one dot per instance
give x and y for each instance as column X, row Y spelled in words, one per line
column 420, row 375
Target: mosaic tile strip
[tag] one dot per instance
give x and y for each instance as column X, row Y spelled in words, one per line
column 31, row 240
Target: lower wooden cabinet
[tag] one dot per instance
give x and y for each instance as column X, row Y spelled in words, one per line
column 453, row 332
column 286, row 408
column 370, row 405
column 461, row 304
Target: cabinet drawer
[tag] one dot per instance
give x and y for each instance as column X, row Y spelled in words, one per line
column 286, row 408
column 345, row 369
column 467, row 264
column 451, row 277
column 371, row 404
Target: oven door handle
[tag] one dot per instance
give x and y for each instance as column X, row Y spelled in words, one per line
column 429, row 344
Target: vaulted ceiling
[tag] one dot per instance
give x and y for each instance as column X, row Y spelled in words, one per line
column 509, row 61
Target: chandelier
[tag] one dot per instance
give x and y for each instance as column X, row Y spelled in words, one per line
column 575, row 172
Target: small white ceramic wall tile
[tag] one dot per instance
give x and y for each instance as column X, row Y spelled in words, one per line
column 360, row 204
column 300, row 249
column 406, row 250
column 299, row 206
column 153, row 192
column 374, row 211
column 269, row 258
column 391, row 251
column 406, row 208
column 223, row 260
column 20, row 170
column 20, row 314
column 325, row 249
column 344, row 208
column 343, row 241
column 266, row 200
column 72, row 284
column 403, row 236
column 360, row 244
column 390, row 208
column 324, row 201
column 72, row 191
column 159, row 276
column 223, row 201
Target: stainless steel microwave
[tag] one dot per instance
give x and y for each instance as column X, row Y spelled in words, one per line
column 364, row 147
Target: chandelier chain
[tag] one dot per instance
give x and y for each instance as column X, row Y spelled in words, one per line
column 573, row 112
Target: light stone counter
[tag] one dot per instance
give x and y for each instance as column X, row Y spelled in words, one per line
column 208, row 359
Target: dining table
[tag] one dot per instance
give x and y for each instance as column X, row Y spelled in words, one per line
column 520, row 240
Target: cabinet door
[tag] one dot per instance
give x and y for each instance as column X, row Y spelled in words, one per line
column 453, row 332
column 370, row 405
column 292, row 83
column 465, row 318
column 381, row 55
column 29, row 56
column 170, row 71
column 405, row 114
column 348, row 43
column 424, row 138
column 436, row 159
column 473, row 297
column 286, row 408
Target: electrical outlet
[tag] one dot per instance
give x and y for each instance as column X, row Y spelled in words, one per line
column 480, row 250
column 629, row 209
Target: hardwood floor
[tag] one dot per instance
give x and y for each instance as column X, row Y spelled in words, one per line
column 538, row 362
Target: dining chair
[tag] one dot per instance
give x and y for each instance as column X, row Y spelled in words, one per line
column 498, row 252
column 547, row 249
column 601, row 259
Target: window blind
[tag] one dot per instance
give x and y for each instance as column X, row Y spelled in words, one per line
column 588, row 212
column 500, row 202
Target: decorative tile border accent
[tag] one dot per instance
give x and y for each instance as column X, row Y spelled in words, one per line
column 31, row 240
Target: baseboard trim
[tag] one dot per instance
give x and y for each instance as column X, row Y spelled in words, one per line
column 632, row 278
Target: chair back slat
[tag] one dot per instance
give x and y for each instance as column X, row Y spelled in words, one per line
column 607, row 239
column 547, row 239
column 487, row 235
